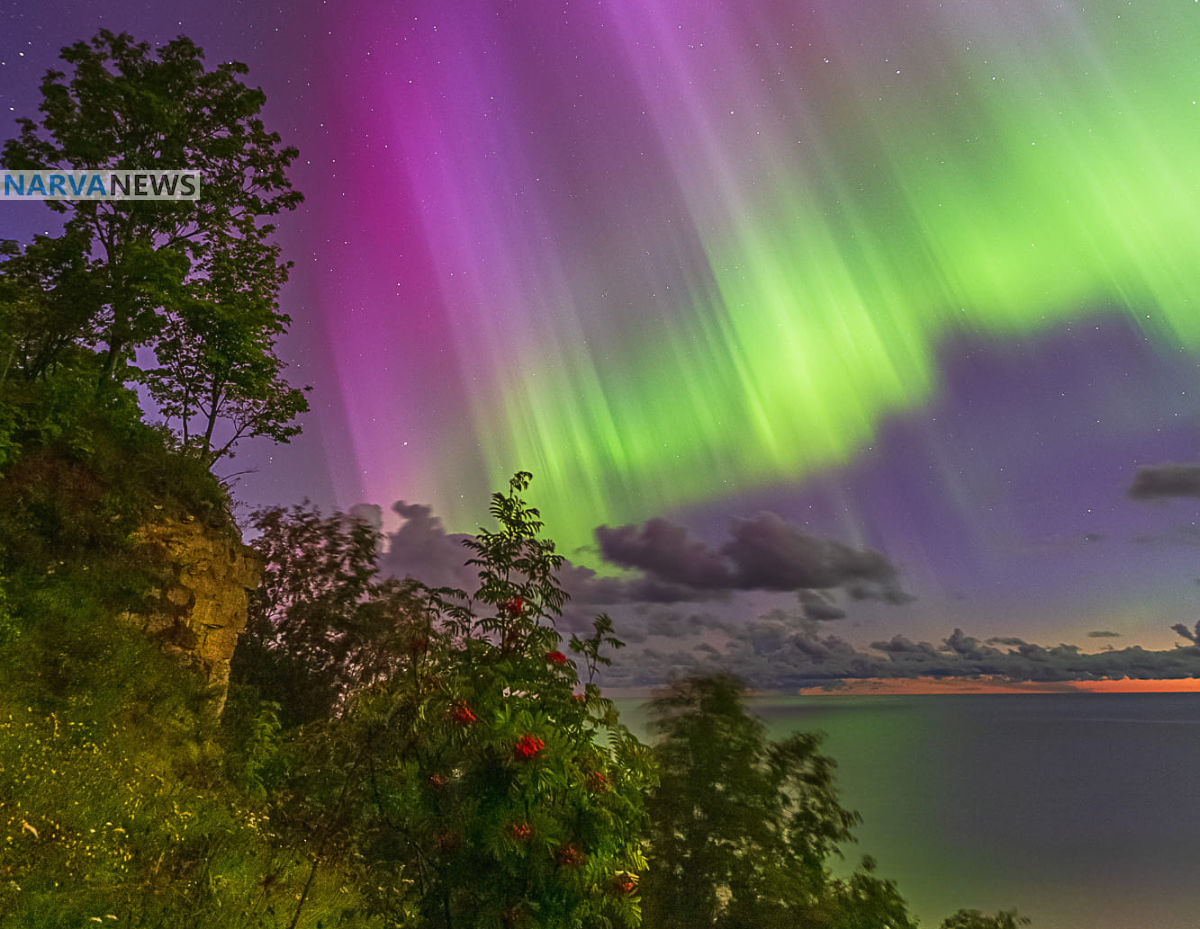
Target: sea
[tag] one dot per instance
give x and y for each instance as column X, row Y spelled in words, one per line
column 1080, row 810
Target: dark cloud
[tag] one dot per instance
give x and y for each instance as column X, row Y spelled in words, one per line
column 586, row 586
column 772, row 554
column 763, row 552
column 665, row 551
column 888, row 592
column 1152, row 482
column 900, row 648
column 967, row 647
column 1103, row 634
column 819, row 605
column 422, row 549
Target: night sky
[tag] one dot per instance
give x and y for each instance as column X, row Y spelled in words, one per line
column 919, row 278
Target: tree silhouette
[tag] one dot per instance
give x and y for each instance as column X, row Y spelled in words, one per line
column 194, row 282
column 743, row 828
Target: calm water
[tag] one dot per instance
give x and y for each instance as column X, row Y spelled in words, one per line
column 1081, row 810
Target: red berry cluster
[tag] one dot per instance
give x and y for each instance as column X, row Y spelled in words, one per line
column 437, row 780
column 597, row 782
column 568, row 856
column 461, row 714
column 528, row 746
column 513, row 607
column 520, row 831
column 623, row 883
column 556, row 657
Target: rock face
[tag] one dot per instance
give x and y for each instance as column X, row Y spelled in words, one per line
column 200, row 609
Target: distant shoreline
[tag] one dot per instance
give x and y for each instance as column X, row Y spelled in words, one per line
column 928, row 686
column 924, row 686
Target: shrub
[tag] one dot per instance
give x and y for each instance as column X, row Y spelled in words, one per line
column 475, row 785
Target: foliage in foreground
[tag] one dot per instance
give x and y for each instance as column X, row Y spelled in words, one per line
column 322, row 624
column 100, row 823
column 480, row 784
column 471, row 779
column 744, row 829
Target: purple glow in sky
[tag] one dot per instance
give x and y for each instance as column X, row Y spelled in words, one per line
column 918, row 277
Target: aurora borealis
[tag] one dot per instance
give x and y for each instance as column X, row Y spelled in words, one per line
column 854, row 345
column 919, row 277
column 679, row 248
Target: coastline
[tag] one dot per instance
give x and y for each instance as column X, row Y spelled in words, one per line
column 929, row 686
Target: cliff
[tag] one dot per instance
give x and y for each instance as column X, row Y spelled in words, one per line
column 200, row 608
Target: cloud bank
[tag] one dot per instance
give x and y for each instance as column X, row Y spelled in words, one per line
column 678, row 606
column 780, row 652
column 763, row 552
column 1153, row 482
column 664, row 563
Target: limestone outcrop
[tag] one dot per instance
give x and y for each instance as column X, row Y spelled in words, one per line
column 200, row 608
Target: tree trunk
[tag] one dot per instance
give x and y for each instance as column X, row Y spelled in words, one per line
column 108, row 370
column 12, row 350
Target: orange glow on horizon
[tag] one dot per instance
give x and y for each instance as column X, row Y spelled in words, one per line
column 929, row 685
column 1183, row 685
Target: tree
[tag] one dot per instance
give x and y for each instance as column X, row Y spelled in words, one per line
column 974, row 919
column 480, row 785
column 742, row 828
column 321, row 623
column 45, row 293
column 195, row 282
column 216, row 360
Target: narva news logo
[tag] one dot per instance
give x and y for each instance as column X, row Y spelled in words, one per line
column 100, row 185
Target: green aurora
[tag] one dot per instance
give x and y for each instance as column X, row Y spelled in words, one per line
column 1037, row 174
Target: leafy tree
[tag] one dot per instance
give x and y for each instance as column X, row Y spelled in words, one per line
column 45, row 294
column 216, row 354
column 743, row 828
column 974, row 919
column 321, row 623
column 196, row 282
